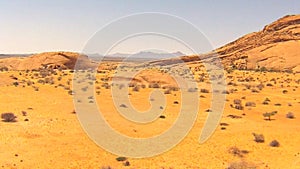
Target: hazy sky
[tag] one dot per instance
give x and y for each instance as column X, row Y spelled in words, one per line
column 30, row 26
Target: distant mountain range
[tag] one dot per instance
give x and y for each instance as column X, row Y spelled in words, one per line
column 141, row 55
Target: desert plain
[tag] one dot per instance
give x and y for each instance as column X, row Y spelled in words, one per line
column 259, row 127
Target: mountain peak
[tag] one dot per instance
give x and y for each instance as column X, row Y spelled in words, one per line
column 149, row 54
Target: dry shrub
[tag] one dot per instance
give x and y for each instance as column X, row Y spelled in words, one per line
column 274, row 143
column 136, row 88
column 167, row 91
column 259, row 138
column 290, row 115
column 250, row 104
column 192, row 90
column 204, row 91
column 237, row 101
column 8, row 117
column 269, row 114
column 154, row 85
column 241, row 165
column 237, row 152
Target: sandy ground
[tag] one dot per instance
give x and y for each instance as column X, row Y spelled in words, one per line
column 53, row 138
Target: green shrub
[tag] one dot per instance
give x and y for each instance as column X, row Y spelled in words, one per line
column 269, row 114
column 121, row 158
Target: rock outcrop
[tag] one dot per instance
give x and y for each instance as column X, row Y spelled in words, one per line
column 275, row 47
column 55, row 60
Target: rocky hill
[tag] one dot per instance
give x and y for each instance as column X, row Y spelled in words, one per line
column 276, row 47
column 62, row 60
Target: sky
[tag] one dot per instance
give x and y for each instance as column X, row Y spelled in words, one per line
column 33, row 26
